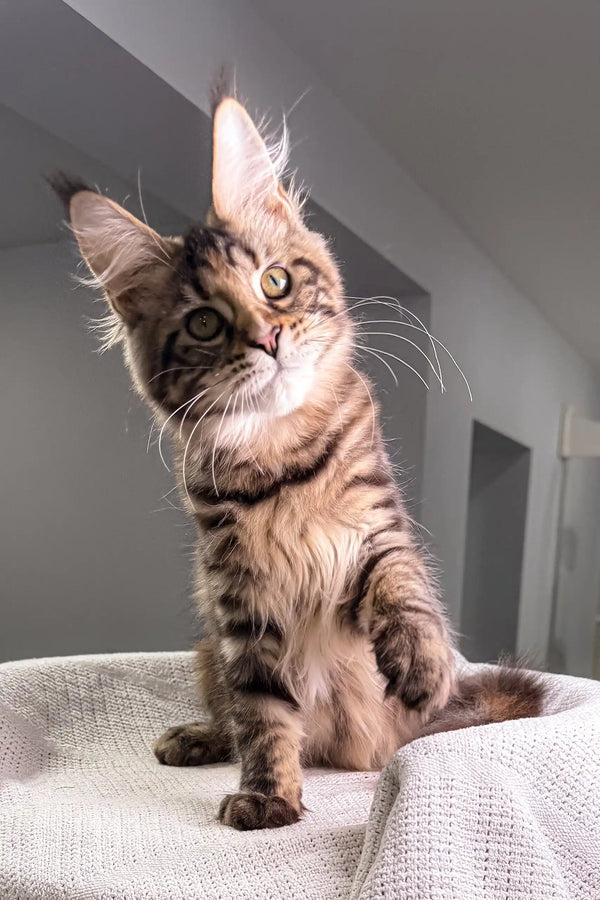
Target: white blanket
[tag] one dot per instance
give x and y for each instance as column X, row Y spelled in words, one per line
column 508, row 811
column 503, row 811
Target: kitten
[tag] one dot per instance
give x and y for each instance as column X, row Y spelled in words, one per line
column 325, row 642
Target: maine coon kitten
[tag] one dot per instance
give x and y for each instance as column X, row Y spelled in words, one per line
column 324, row 638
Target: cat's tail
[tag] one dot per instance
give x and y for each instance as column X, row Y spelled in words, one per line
column 507, row 691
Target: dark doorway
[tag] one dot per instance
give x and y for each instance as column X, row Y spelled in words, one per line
column 494, row 546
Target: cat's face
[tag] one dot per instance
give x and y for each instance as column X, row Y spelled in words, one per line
column 251, row 321
column 243, row 317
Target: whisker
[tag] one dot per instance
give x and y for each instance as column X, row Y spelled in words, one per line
column 450, row 356
column 405, row 313
column 412, row 344
column 366, row 387
column 386, row 364
column 165, row 255
column 187, row 446
column 397, row 307
column 332, row 389
column 177, row 369
column 253, row 410
column 401, row 361
column 214, row 452
column 152, row 424
column 166, row 422
column 188, row 410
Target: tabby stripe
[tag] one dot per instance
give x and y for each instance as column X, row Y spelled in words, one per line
column 197, row 285
column 260, row 781
column 257, row 679
column 231, row 603
column 247, row 629
column 389, row 502
column 327, row 311
column 225, row 548
column 389, row 529
column 365, row 575
column 167, row 356
column 294, row 476
column 373, row 479
column 213, row 520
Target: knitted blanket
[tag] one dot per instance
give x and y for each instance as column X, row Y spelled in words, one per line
column 507, row 811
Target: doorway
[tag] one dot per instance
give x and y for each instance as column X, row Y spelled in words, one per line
column 498, row 490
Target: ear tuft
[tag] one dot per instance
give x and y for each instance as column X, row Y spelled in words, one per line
column 65, row 187
column 245, row 172
column 223, row 86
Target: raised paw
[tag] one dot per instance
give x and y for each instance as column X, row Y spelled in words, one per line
column 418, row 666
column 190, row 745
column 249, row 811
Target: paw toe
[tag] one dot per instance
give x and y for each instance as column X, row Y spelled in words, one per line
column 251, row 811
column 188, row 745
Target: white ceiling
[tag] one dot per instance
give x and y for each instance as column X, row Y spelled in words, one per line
column 494, row 108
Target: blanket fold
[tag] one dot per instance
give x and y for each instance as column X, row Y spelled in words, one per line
column 503, row 811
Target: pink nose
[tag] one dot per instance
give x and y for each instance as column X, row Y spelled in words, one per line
column 268, row 341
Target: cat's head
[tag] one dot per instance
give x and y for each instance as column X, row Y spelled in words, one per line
column 245, row 312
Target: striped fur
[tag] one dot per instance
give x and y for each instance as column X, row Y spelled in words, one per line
column 324, row 638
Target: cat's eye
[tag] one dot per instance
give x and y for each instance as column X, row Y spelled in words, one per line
column 275, row 283
column 205, row 324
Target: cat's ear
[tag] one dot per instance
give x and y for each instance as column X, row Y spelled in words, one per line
column 114, row 244
column 245, row 180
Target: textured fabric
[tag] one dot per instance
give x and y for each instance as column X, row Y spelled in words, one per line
column 87, row 812
column 500, row 812
column 507, row 811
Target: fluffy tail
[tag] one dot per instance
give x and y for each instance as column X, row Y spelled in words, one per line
column 507, row 691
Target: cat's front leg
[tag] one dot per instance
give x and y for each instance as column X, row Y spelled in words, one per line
column 268, row 731
column 399, row 609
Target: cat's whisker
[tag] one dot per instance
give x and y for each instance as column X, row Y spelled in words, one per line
column 366, row 387
column 337, row 403
column 152, row 424
column 164, row 255
column 254, row 409
column 451, row 358
column 189, row 441
column 412, row 344
column 407, row 314
column 216, row 441
column 166, row 422
column 397, row 307
column 398, row 358
column 177, row 369
column 360, row 348
column 188, row 410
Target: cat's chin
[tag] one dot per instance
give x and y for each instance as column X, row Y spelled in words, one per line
column 285, row 392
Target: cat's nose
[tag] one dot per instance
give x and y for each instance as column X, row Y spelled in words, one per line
column 268, row 340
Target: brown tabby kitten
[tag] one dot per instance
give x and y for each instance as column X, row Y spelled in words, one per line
column 325, row 641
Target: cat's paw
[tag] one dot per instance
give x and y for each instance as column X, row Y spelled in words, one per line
column 194, row 744
column 250, row 810
column 418, row 666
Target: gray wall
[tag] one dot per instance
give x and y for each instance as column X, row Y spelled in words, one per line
column 92, row 558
